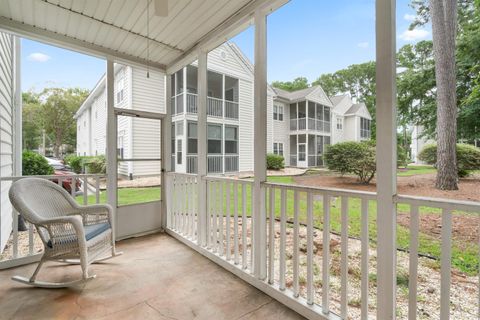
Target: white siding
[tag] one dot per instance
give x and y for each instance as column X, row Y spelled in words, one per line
column 246, row 126
column 281, row 131
column 7, row 87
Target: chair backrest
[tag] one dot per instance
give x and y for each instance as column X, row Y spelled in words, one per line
column 36, row 199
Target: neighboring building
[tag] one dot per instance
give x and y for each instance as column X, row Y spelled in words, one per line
column 300, row 124
column 10, row 124
column 418, row 143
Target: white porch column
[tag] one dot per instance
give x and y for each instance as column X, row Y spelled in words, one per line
column 202, row 146
column 166, row 156
column 386, row 157
column 17, row 107
column 111, row 143
column 260, row 145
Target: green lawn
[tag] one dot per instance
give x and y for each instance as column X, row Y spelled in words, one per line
column 128, row 196
column 415, row 170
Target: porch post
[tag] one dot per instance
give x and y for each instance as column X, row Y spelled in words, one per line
column 166, row 156
column 202, row 146
column 386, row 158
column 111, row 142
column 260, row 145
column 17, row 105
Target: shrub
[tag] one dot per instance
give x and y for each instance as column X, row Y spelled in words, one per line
column 275, row 162
column 75, row 162
column 468, row 157
column 352, row 157
column 34, row 164
column 402, row 157
column 96, row 164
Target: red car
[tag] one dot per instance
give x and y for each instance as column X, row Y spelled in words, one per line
column 62, row 170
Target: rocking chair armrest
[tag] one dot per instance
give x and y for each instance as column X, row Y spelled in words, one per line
column 74, row 221
column 96, row 213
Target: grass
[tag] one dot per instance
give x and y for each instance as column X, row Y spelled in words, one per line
column 415, row 170
column 127, row 196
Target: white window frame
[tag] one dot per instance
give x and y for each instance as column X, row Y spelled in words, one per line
column 339, row 123
column 278, row 112
column 278, row 148
column 120, row 90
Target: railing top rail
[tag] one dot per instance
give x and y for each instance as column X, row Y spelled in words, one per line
column 329, row 191
column 15, row 178
column 190, row 175
column 192, row 94
column 469, row 206
column 214, row 98
column 219, row 178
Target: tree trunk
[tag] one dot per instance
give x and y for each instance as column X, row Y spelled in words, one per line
column 444, row 14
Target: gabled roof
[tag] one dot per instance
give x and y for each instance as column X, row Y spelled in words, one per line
column 337, row 99
column 303, row 94
column 360, row 110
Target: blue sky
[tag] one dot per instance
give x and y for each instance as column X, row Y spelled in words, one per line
column 305, row 38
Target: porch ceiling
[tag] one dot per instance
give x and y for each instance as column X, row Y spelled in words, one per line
column 118, row 28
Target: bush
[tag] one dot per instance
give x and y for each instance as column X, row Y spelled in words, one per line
column 75, row 162
column 34, row 164
column 96, row 164
column 352, row 157
column 275, row 162
column 468, row 157
column 402, row 157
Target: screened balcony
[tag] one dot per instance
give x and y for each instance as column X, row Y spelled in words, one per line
column 314, row 118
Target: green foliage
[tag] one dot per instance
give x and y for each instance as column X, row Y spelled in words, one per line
column 352, row 157
column 297, row 84
column 31, row 127
column 75, row 162
column 402, row 157
column 468, row 157
column 96, row 164
column 34, row 164
column 275, row 162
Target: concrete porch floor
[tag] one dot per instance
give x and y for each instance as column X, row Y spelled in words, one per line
column 157, row 277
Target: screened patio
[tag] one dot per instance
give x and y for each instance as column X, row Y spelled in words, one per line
column 277, row 263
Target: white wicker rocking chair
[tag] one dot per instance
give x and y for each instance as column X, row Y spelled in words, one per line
column 70, row 233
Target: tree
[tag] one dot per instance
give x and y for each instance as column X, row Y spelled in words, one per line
column 30, row 125
column 297, row 84
column 57, row 114
column 444, row 25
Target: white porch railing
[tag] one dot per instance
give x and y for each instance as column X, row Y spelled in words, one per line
column 215, row 163
column 214, row 107
column 192, row 163
column 231, row 109
column 293, row 124
column 24, row 246
column 310, row 235
column 192, row 103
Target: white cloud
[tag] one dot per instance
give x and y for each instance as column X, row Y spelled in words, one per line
column 409, row 17
column 363, row 45
column 38, row 57
column 414, row 35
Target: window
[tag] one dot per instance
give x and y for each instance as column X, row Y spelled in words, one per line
column 179, row 151
column 339, row 123
column 120, row 147
column 214, row 135
column 120, row 90
column 278, row 148
column 278, row 112
column 192, row 138
column 231, row 140
column 365, row 128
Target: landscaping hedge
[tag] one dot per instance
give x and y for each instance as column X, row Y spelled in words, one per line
column 468, row 157
column 34, row 164
column 275, row 162
column 93, row 164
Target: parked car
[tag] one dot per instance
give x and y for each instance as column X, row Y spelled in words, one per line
column 64, row 170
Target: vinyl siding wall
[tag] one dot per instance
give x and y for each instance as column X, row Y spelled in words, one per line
column 281, row 131
column 7, row 91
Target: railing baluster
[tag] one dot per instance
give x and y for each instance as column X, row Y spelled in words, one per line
column 220, row 217
column 214, row 207
column 85, row 190
column 364, row 261
column 296, row 242
column 235, row 223
column 310, row 287
column 445, row 264
column 271, row 234
column 326, row 255
column 413, row 263
column 283, row 237
column 227, row 221
column 252, row 234
column 209, row 214
column 244, row 226
column 73, row 186
column 344, row 258
column 97, row 189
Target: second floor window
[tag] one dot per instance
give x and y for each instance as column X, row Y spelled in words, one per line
column 278, row 112
column 365, row 125
column 339, row 123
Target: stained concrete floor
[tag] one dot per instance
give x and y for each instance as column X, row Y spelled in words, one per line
column 157, row 277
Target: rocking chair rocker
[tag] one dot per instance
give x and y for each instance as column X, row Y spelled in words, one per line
column 70, row 233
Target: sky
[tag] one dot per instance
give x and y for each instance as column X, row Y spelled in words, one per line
column 305, row 38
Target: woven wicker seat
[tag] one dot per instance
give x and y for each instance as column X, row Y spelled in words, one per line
column 70, row 233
